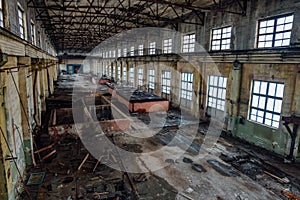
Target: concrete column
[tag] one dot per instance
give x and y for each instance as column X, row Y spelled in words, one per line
column 4, row 166
column 25, row 113
column 175, row 84
column 235, row 93
column 296, row 111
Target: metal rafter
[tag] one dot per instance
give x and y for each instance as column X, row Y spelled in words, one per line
column 72, row 24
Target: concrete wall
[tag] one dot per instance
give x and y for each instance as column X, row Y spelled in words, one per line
column 12, row 25
column 26, row 79
column 270, row 65
column 22, row 103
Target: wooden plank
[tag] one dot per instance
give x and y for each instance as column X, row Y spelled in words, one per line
column 43, row 149
column 84, row 160
column 50, row 154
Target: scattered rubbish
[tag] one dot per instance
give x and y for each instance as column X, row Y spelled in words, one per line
column 48, row 155
column 140, row 178
column 44, row 149
column 36, row 178
column 187, row 160
column 189, row 190
column 99, row 160
column 222, row 168
column 184, row 195
column 289, row 194
column 198, row 167
column 82, row 163
column 68, row 179
column 282, row 180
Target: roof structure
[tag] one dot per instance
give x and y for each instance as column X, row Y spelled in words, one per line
column 77, row 26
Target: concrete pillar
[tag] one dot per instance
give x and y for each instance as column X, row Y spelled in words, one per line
column 296, row 111
column 25, row 110
column 235, row 93
column 175, row 84
column 11, row 126
column 4, row 165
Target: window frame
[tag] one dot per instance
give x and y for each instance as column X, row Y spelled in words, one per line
column 119, row 72
column 1, row 14
column 152, row 46
column 165, row 87
column 189, row 43
column 132, row 51
column 140, row 76
column 216, row 97
column 221, row 39
column 274, row 32
column 22, row 19
column 32, row 33
column 124, row 73
column 167, row 45
column 113, row 71
column 151, row 79
column 141, row 50
column 119, row 53
column 186, row 82
column 265, row 109
column 131, row 75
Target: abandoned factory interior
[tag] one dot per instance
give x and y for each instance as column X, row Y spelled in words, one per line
column 149, row 99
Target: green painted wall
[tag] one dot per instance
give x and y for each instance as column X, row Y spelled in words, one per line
column 271, row 139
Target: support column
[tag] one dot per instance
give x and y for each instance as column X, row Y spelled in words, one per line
column 25, row 104
column 296, row 110
column 235, row 94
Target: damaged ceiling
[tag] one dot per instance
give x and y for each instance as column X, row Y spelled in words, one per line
column 77, row 26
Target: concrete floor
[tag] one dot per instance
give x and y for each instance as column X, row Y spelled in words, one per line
column 241, row 171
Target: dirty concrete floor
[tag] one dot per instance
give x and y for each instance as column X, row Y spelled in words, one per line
column 252, row 181
column 231, row 169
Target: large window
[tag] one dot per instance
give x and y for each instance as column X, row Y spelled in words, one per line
column 166, row 81
column 21, row 22
column 32, row 32
column 187, row 85
column 216, row 92
column 125, row 52
column 131, row 75
column 141, row 50
column 151, row 81
column 140, row 76
column 109, row 71
column 266, row 102
column 124, row 74
column 152, row 48
column 119, row 73
column 106, row 71
column 132, row 51
column 186, row 90
column 39, row 37
column 275, row 32
column 221, row 38
column 1, row 15
column 188, row 44
column 167, row 46
column 119, row 53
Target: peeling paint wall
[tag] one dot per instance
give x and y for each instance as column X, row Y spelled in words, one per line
column 267, row 65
